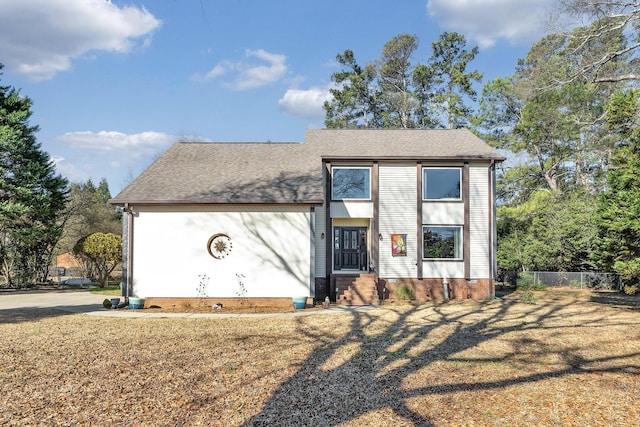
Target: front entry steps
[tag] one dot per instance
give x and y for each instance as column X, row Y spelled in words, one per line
column 361, row 289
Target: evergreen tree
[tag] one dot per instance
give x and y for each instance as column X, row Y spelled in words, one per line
column 393, row 92
column 453, row 82
column 32, row 196
column 395, row 71
column 354, row 100
column 618, row 212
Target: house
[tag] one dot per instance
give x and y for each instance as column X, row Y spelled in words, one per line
column 349, row 214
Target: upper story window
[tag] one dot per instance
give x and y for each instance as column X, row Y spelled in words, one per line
column 350, row 183
column 442, row 183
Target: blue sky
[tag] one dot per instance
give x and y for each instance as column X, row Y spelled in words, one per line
column 114, row 83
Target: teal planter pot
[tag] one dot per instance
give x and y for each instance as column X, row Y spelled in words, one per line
column 299, row 302
column 136, row 303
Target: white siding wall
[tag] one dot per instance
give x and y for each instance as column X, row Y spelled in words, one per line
column 443, row 269
column 443, row 213
column 346, row 209
column 398, row 215
column 271, row 248
column 479, row 221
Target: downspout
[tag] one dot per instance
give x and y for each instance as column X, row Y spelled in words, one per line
column 492, row 227
column 312, row 249
column 129, row 287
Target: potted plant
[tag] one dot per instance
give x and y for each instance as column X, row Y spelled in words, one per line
column 136, row 303
column 299, row 302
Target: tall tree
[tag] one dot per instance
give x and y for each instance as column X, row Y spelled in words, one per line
column 618, row 214
column 454, row 83
column 551, row 231
column 552, row 118
column 354, row 102
column 395, row 92
column 558, row 127
column 395, row 71
column 605, row 50
column 32, row 196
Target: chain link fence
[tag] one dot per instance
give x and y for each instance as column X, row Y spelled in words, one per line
column 578, row 280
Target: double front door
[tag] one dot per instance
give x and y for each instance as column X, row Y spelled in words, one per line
column 350, row 248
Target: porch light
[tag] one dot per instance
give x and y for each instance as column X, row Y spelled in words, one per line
column 380, row 236
column 322, row 235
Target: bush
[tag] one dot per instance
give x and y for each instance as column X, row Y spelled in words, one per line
column 631, row 289
column 526, row 282
column 539, row 287
column 106, row 303
column 404, row 292
column 528, row 297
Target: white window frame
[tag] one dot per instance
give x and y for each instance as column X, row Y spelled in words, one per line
column 425, row 187
column 458, row 250
column 334, row 168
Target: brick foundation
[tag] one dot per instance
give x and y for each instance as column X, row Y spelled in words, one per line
column 433, row 290
column 283, row 304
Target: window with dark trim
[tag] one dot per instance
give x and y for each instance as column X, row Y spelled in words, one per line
column 442, row 183
column 350, row 183
column 442, row 242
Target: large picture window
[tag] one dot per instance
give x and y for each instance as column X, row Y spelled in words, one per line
column 442, row 183
column 442, row 242
column 351, row 183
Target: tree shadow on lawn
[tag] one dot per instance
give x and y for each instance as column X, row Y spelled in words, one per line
column 383, row 363
column 616, row 299
column 30, row 314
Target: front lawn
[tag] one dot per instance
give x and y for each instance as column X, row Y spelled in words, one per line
column 570, row 359
column 112, row 288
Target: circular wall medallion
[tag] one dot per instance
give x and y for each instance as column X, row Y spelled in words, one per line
column 219, row 245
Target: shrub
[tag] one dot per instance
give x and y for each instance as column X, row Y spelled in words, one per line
column 528, row 297
column 539, row 287
column 631, row 289
column 404, row 292
column 106, row 303
column 524, row 281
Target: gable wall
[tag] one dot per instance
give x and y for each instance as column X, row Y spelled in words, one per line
column 271, row 250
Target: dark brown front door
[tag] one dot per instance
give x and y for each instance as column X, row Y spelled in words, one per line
column 350, row 248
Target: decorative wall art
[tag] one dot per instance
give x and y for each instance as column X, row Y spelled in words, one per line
column 219, row 245
column 399, row 245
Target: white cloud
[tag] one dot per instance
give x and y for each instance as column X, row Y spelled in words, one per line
column 39, row 38
column 108, row 154
column 250, row 74
column 134, row 145
column 486, row 21
column 305, row 103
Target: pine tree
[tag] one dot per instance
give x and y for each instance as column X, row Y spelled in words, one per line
column 619, row 206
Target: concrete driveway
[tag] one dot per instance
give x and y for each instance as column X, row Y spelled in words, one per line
column 73, row 301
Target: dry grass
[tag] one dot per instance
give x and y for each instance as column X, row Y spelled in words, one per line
column 571, row 359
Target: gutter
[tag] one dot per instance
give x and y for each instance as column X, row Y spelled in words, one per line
column 120, row 202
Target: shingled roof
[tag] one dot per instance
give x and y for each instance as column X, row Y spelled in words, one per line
column 210, row 172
